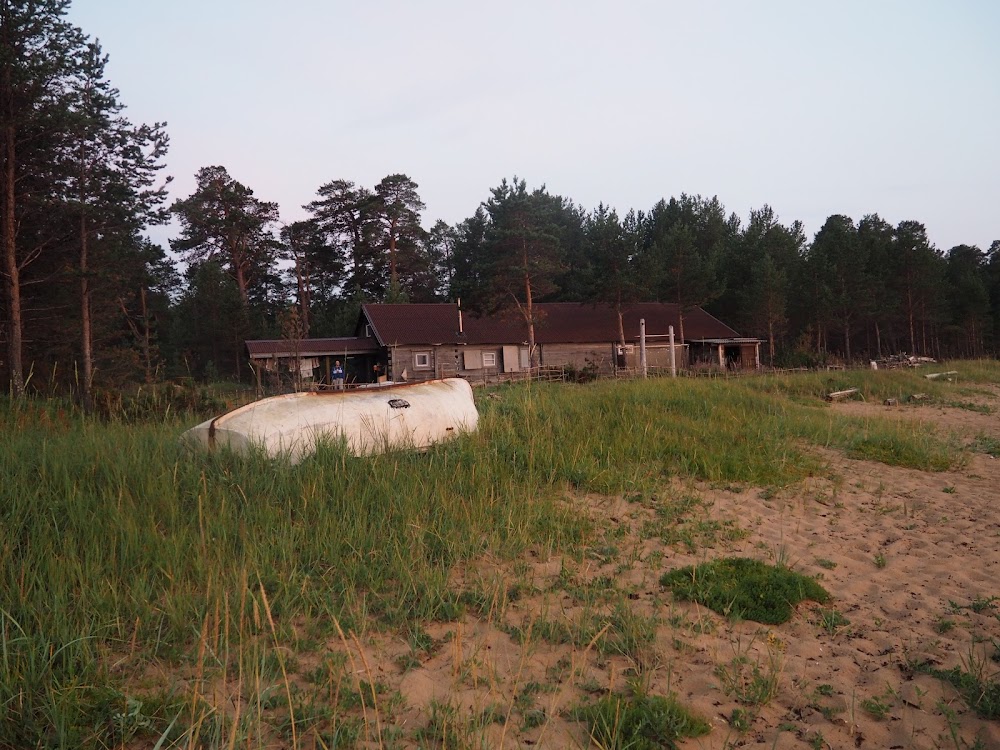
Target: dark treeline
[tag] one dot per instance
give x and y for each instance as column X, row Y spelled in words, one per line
column 88, row 301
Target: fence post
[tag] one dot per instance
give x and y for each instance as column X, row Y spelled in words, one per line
column 673, row 354
column 642, row 347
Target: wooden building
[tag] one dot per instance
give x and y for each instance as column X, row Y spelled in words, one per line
column 437, row 340
column 310, row 360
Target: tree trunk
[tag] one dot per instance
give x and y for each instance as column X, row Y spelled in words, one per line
column 770, row 340
column 530, row 317
column 147, row 355
column 909, row 316
column 878, row 340
column 86, row 334
column 302, row 281
column 241, row 284
column 529, row 311
column 11, row 271
column 924, row 350
column 393, row 276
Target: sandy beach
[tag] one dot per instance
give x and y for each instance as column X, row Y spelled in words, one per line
column 911, row 560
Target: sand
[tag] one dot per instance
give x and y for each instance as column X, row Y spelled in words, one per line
column 911, row 559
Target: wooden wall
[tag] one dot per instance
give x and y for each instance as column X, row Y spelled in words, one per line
column 450, row 361
column 446, row 361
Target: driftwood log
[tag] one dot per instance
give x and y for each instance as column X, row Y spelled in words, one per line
column 835, row 395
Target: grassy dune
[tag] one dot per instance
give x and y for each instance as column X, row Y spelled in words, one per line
column 122, row 556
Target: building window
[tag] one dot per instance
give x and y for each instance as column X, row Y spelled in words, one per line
column 368, row 332
column 421, row 360
column 489, row 359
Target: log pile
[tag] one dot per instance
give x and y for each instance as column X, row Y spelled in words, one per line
column 896, row 361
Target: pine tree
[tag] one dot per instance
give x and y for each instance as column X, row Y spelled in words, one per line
column 396, row 212
column 839, row 260
column 343, row 212
column 441, row 243
column 875, row 236
column 684, row 242
column 223, row 220
column 969, row 299
column 110, row 186
column 611, row 248
column 522, row 252
column 38, row 55
column 917, row 276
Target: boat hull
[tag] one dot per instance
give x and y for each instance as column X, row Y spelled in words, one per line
column 367, row 421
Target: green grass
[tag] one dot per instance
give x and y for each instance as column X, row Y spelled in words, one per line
column 880, row 706
column 988, row 445
column 878, row 385
column 753, row 683
column 830, row 619
column 120, row 547
column 980, row 692
column 745, row 589
column 640, row 722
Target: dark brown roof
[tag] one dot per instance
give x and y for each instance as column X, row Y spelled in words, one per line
column 267, row 348
column 559, row 323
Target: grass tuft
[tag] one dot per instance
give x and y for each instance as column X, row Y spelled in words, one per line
column 979, row 689
column 640, row 722
column 744, row 589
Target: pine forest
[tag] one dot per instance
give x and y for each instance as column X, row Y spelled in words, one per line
column 90, row 302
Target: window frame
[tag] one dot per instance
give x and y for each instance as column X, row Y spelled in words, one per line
column 426, row 355
column 491, row 356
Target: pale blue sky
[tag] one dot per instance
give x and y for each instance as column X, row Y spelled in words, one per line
column 816, row 108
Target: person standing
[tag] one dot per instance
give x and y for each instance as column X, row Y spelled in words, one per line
column 337, row 376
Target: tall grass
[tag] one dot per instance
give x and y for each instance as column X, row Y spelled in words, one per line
column 118, row 547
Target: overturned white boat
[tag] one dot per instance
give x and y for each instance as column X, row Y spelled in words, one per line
column 408, row 416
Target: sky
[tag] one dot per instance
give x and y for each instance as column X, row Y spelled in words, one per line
column 814, row 108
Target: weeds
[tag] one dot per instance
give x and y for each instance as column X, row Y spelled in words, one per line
column 979, row 688
column 988, row 445
column 830, row 620
column 878, row 707
column 944, row 625
column 447, row 728
column 741, row 719
column 640, row 722
column 753, row 681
